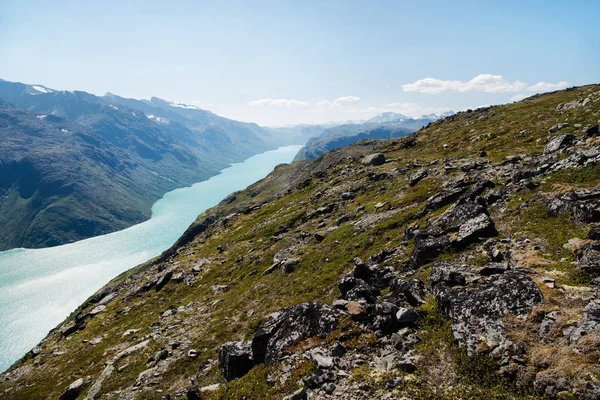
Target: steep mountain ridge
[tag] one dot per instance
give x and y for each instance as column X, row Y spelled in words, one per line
column 460, row 261
column 107, row 163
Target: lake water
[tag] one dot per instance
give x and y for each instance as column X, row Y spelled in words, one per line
column 39, row 288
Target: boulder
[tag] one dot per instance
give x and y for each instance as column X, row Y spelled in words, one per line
column 235, row 359
column 73, row 390
column 559, row 142
column 374, row 159
column 319, row 378
column 291, row 324
column 589, row 259
column 477, row 312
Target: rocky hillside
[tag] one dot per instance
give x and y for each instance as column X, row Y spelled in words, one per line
column 74, row 165
column 459, row 262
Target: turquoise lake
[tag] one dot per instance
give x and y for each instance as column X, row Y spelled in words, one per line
column 39, row 288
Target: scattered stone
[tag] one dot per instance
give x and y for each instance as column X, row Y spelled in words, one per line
column 446, row 272
column 557, row 127
column 319, row 378
column 129, row 332
column 218, row 289
column 235, row 359
column 192, row 353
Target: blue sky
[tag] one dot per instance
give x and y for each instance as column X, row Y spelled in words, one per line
column 285, row 62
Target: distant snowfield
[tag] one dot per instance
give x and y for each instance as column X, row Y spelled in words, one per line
column 39, row 288
column 41, row 89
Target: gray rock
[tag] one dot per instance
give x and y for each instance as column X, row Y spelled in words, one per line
column 493, row 268
column 374, row 159
column 216, row 289
column 235, row 359
column 291, row 324
column 319, row 378
column 559, row 142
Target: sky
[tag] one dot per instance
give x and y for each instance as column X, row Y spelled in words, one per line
column 288, row 62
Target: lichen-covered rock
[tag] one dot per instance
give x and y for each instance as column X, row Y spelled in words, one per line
column 235, row 359
column 410, row 291
column 477, row 312
column 285, row 327
column 589, row 259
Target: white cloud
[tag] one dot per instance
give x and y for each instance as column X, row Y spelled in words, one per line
column 278, row 102
column 487, row 83
column 547, row 86
column 339, row 102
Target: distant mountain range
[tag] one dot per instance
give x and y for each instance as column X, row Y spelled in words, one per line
column 383, row 126
column 75, row 165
